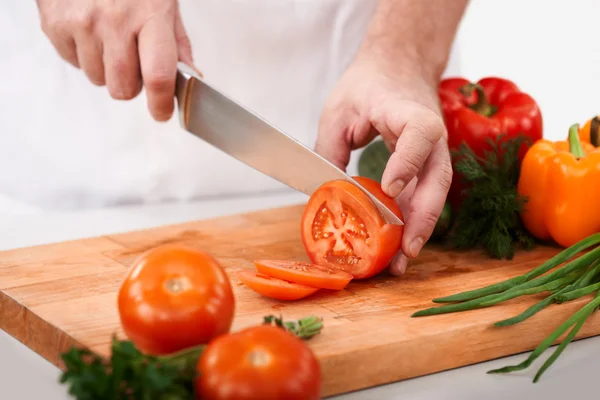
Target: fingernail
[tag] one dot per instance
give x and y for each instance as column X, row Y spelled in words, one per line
column 415, row 246
column 399, row 264
column 396, row 188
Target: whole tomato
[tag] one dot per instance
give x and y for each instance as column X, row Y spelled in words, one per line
column 175, row 297
column 259, row 363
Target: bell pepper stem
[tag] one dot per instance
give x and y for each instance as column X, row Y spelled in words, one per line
column 574, row 143
column 482, row 106
column 595, row 131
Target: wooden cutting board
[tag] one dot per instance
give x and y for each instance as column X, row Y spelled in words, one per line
column 59, row 295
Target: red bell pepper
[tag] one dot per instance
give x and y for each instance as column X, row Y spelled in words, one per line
column 474, row 112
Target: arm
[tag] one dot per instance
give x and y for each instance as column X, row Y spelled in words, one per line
column 411, row 34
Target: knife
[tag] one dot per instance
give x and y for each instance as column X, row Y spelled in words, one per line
column 215, row 118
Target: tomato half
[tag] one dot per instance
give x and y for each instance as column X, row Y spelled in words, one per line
column 274, row 288
column 174, row 297
column 259, row 363
column 305, row 274
column 342, row 228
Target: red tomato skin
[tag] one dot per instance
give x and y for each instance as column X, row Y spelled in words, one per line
column 159, row 321
column 284, row 367
column 304, row 273
column 275, row 288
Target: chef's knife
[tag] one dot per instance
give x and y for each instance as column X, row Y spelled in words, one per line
column 210, row 115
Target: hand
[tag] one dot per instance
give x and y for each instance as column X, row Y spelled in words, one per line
column 401, row 106
column 122, row 44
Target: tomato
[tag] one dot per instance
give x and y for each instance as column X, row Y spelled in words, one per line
column 274, row 288
column 342, row 228
column 259, row 363
column 175, row 297
column 304, row 273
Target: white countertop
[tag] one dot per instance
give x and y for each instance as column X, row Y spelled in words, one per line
column 26, row 376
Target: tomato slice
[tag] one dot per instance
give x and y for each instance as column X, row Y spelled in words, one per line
column 305, row 274
column 342, row 228
column 274, row 288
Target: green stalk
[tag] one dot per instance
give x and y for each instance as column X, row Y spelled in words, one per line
column 490, row 300
column 574, row 142
column 576, row 319
column 589, row 276
column 558, row 259
column 531, row 311
column 575, row 294
column 515, row 291
column 582, row 281
column 561, row 347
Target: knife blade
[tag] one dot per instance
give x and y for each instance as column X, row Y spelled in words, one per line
column 220, row 121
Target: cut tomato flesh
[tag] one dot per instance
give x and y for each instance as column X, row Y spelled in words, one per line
column 305, row 273
column 274, row 288
column 342, row 228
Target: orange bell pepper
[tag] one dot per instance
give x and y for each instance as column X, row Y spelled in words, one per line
column 562, row 182
column 590, row 132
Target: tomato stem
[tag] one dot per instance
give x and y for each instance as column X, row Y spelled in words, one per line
column 482, row 106
column 574, row 143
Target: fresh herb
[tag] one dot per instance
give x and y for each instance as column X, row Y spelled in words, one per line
column 489, row 213
column 575, row 279
column 131, row 375
column 305, row 328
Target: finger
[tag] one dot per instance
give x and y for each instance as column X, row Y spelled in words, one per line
column 184, row 46
column 399, row 264
column 158, row 63
column 427, row 200
column 123, row 76
column 340, row 132
column 416, row 139
column 89, row 54
column 64, row 45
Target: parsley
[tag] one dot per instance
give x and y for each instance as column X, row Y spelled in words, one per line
column 489, row 213
column 129, row 374
column 305, row 328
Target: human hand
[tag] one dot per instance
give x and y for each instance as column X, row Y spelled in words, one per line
column 401, row 105
column 122, row 45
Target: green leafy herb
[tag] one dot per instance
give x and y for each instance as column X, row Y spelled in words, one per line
column 304, row 328
column 489, row 213
column 573, row 280
column 131, row 375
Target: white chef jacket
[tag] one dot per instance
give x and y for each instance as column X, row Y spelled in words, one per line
column 65, row 143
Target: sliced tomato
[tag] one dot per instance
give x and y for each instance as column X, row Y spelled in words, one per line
column 342, row 228
column 274, row 288
column 305, row 274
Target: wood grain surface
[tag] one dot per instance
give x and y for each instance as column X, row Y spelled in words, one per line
column 59, row 295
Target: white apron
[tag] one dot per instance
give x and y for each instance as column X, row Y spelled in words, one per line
column 64, row 143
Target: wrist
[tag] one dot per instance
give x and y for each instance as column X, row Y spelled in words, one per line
column 403, row 61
